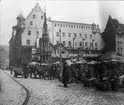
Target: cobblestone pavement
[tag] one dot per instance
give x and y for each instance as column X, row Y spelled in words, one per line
column 52, row 92
column 11, row 93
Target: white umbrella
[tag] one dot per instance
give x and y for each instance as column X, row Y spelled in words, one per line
column 44, row 64
column 114, row 60
column 79, row 62
column 105, row 61
column 92, row 62
column 33, row 63
column 57, row 62
column 69, row 62
column 74, row 60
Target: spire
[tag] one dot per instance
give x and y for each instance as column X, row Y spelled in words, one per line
column 45, row 24
column 44, row 8
column 37, row 4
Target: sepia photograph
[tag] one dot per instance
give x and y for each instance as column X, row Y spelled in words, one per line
column 61, row 52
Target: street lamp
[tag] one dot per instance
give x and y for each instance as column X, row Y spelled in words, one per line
column 83, row 45
column 92, row 45
column 40, row 50
column 60, row 46
column 73, row 47
column 49, row 54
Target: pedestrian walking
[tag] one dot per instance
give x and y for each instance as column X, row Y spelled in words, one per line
column 25, row 70
column 65, row 75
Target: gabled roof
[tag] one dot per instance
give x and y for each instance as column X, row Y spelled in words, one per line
column 10, row 40
column 36, row 6
column 52, row 45
column 116, row 24
column 57, row 45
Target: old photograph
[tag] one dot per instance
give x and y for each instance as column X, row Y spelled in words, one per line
column 61, row 52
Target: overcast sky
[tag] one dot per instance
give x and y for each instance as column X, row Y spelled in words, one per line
column 75, row 11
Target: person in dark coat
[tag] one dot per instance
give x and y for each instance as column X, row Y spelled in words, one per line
column 25, row 70
column 51, row 71
column 65, row 74
column 11, row 69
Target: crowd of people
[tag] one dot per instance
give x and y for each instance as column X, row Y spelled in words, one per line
column 105, row 75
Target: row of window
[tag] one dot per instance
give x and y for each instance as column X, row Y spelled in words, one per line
column 119, row 42
column 72, row 26
column 69, row 43
column 80, row 43
column 69, row 34
column 29, row 32
column 120, row 36
column 35, row 17
column 119, row 49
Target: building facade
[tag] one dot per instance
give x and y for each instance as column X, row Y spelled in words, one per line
column 82, row 33
column 113, row 37
column 76, row 38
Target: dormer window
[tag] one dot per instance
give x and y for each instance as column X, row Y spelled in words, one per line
column 119, row 30
column 41, row 17
column 33, row 16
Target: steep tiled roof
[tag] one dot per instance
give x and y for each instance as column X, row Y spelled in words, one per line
column 52, row 45
column 33, row 9
column 116, row 24
column 57, row 45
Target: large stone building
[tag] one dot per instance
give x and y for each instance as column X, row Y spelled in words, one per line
column 82, row 34
column 69, row 30
column 77, row 38
column 113, row 37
